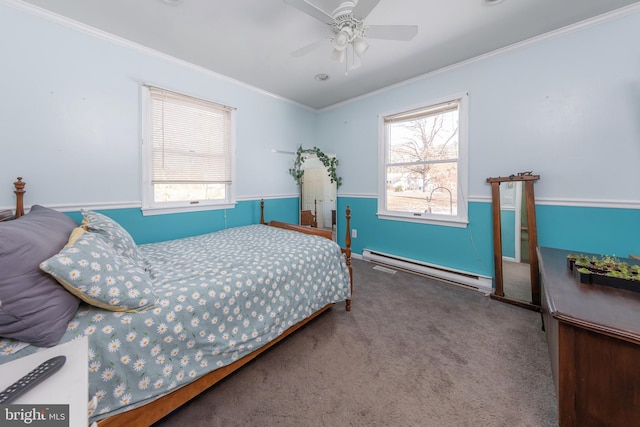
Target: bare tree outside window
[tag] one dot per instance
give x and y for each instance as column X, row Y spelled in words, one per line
column 422, row 150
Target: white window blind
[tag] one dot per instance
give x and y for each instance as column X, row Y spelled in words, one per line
column 422, row 113
column 188, row 155
column 191, row 139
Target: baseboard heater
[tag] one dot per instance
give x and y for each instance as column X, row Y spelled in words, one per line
column 478, row 282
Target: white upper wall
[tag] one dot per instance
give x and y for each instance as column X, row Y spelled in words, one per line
column 70, row 116
column 565, row 106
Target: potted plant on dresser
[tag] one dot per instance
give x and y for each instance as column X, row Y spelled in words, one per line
column 605, row 270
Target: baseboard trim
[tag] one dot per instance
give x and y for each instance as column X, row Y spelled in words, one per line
column 478, row 282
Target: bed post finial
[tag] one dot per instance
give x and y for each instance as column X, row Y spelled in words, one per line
column 347, row 251
column 19, row 192
column 261, row 211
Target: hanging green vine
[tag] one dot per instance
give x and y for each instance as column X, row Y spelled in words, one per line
column 331, row 163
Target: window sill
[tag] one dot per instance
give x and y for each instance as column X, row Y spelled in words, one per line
column 447, row 222
column 162, row 210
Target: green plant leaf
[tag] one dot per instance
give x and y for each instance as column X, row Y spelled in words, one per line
column 331, row 163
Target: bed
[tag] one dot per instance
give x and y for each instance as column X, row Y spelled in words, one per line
column 165, row 321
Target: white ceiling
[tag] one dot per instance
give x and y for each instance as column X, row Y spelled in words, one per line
column 251, row 40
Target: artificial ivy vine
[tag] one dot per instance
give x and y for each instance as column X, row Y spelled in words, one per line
column 331, row 163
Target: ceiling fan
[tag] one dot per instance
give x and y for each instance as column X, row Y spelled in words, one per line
column 348, row 29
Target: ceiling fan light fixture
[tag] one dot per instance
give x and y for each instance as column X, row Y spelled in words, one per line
column 342, row 40
column 339, row 54
column 360, row 46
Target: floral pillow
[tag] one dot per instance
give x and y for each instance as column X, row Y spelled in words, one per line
column 116, row 235
column 91, row 269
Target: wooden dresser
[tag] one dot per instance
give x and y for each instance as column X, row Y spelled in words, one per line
column 593, row 333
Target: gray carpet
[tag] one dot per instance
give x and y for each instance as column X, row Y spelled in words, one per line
column 412, row 352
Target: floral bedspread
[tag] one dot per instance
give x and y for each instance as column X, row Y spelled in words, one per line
column 222, row 295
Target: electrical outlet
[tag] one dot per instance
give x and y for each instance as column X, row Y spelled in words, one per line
column 354, row 233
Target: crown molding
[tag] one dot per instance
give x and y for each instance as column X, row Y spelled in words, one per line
column 103, row 35
column 569, row 29
column 122, row 42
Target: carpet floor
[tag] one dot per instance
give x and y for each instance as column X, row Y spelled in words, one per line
column 412, row 352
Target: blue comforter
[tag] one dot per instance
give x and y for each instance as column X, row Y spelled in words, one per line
column 222, row 295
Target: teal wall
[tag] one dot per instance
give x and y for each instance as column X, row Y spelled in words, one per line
column 578, row 229
column 149, row 229
column 468, row 249
column 596, row 230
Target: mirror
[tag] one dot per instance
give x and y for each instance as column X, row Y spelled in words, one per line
column 515, row 240
column 316, row 174
column 317, row 195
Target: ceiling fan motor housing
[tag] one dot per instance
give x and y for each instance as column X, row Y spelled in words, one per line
column 344, row 9
column 345, row 26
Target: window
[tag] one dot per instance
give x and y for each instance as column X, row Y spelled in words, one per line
column 423, row 164
column 188, row 146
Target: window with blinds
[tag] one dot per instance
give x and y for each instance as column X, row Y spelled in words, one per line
column 189, row 145
column 423, row 163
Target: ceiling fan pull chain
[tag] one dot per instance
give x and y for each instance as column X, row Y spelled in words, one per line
column 346, row 62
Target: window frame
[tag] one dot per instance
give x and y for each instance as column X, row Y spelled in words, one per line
column 149, row 205
column 459, row 220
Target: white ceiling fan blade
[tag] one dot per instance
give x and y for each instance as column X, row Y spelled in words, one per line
column 391, row 32
column 308, row 48
column 363, row 8
column 311, row 10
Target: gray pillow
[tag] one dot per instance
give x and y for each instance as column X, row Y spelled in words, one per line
column 34, row 307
